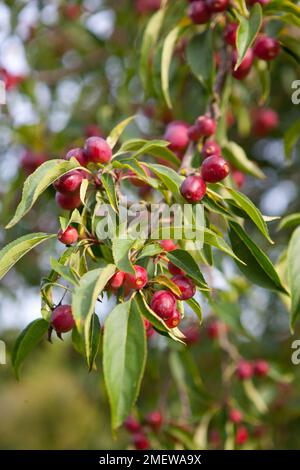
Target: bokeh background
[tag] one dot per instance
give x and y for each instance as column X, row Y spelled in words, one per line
column 71, row 70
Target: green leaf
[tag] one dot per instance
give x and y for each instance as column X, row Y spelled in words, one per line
column 124, row 359
column 157, row 149
column 38, row 182
column 110, row 188
column 117, row 131
column 200, row 57
column 86, row 293
column 167, row 282
column 196, row 308
column 150, row 250
column 83, row 190
column 237, row 156
column 291, row 137
column 15, row 250
column 290, row 221
column 251, row 210
column 121, row 250
column 26, row 342
column 247, row 32
column 258, row 269
column 170, row 178
column 166, row 59
column 279, row 6
column 149, row 41
column 64, row 271
column 183, row 260
column 294, row 275
column 92, row 330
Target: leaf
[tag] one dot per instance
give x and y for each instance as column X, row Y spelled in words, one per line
column 258, row 269
column 157, row 149
column 92, row 330
column 290, row 221
column 166, row 59
column 15, row 250
column 251, row 210
column 294, row 275
column 117, row 131
column 38, row 182
column 196, row 308
column 291, row 137
column 64, row 271
column 200, row 57
column 236, row 155
column 110, row 189
column 167, row 282
column 183, row 260
column 121, row 250
column 169, row 177
column 86, row 293
column 124, row 359
column 254, row 396
column 26, row 342
column 83, row 190
column 149, row 41
column 247, row 31
column 150, row 250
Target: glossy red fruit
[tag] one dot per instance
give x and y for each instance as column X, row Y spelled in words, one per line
column 138, row 280
column 117, row 280
column 186, row 286
column 174, row 320
column 193, row 188
column 168, row 245
column 132, row 424
column 154, row 420
column 177, row 134
column 235, row 416
column 97, row 150
column 30, row 161
column 140, row 441
column 265, row 120
column 199, row 12
column 68, row 201
column 266, row 48
column 261, row 368
column 230, row 34
column 244, row 69
column 69, row 236
column 214, row 169
column 77, row 153
column 135, row 180
column 69, row 183
column 211, row 147
column 163, row 303
column 174, row 269
column 62, row 319
column 216, row 6
column 206, row 126
column 241, row 435
column 244, row 370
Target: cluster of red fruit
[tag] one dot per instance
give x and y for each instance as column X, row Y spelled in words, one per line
column 154, row 421
column 265, row 48
column 213, row 169
column 245, row 369
column 96, row 150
